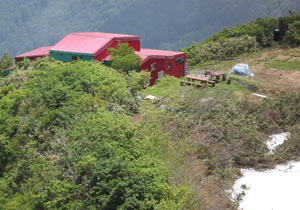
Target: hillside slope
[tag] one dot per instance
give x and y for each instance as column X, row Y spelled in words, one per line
column 161, row 24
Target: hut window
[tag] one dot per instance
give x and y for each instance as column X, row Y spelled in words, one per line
column 169, row 65
column 161, row 74
column 74, row 58
column 180, row 60
column 153, row 66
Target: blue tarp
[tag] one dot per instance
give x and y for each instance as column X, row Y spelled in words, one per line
column 242, row 69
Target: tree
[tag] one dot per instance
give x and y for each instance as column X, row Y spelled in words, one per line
column 124, row 58
column 293, row 34
column 6, row 61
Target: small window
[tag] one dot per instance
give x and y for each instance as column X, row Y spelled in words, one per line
column 74, row 58
column 153, row 66
column 161, row 74
column 169, row 65
column 180, row 60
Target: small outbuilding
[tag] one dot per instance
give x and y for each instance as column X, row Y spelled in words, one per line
column 163, row 62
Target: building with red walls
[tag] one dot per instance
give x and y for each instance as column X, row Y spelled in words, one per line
column 162, row 62
column 94, row 46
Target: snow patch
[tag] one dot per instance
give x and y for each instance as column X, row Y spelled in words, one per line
column 151, row 97
column 259, row 95
column 276, row 189
column 276, row 140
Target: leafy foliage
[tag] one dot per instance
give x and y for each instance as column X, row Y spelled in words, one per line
column 293, row 34
column 138, row 80
column 243, row 38
column 67, row 142
column 5, row 61
column 285, row 21
column 124, row 58
column 226, row 50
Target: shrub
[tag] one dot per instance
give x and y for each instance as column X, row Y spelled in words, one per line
column 285, row 21
column 5, row 61
column 293, row 34
column 138, row 80
column 226, row 50
column 124, row 58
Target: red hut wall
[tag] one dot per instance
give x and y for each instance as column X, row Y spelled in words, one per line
column 176, row 70
column 160, row 66
column 135, row 44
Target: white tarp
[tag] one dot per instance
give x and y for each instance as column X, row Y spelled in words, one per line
column 242, row 69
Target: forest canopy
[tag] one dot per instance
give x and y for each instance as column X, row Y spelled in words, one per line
column 167, row 24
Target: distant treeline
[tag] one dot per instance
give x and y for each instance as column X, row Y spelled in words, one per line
column 247, row 38
column 167, row 24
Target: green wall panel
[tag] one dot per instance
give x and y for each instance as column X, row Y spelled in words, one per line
column 7, row 72
column 68, row 56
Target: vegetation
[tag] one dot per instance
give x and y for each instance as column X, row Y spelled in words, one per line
column 245, row 38
column 226, row 50
column 82, row 136
column 124, row 58
column 293, row 33
column 67, row 142
column 223, row 131
column 5, row 61
column 285, row 65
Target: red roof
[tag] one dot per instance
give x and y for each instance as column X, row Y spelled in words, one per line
column 146, row 54
column 109, row 35
column 89, row 43
column 39, row 52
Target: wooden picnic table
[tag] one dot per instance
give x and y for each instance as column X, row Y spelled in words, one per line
column 216, row 74
column 203, row 80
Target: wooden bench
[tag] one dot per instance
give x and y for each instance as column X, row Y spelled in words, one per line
column 209, row 82
column 212, row 83
column 182, row 82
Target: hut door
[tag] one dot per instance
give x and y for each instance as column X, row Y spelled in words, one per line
column 161, row 74
column 186, row 67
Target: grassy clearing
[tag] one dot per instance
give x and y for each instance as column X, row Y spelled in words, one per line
column 285, row 65
column 166, row 86
column 171, row 86
column 220, row 129
column 295, row 52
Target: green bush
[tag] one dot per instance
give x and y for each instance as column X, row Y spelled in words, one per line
column 225, row 50
column 293, row 34
column 67, row 142
column 285, row 21
column 124, row 58
column 138, row 80
column 5, row 61
column 231, row 42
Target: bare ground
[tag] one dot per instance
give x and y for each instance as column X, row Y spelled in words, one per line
column 272, row 78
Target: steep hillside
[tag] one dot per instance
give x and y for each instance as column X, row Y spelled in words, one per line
column 225, row 128
column 161, row 24
column 84, row 136
column 67, row 142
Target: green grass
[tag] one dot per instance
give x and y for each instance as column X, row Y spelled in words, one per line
column 295, row 52
column 167, row 85
column 170, row 86
column 283, row 65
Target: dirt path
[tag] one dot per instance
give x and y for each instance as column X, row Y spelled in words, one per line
column 273, row 77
